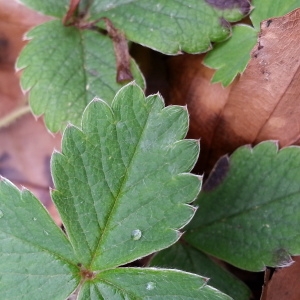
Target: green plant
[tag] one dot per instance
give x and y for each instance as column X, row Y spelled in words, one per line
column 122, row 187
column 226, row 59
column 70, row 60
column 113, row 210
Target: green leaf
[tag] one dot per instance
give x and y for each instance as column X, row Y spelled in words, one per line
column 55, row 8
column 122, row 192
column 249, row 211
column 184, row 257
column 65, row 68
column 172, row 26
column 122, row 179
column 146, row 283
column 36, row 258
column 231, row 57
column 269, row 9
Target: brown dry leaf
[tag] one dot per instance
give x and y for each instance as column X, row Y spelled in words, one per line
column 25, row 146
column 263, row 104
column 25, row 150
column 284, row 284
column 15, row 21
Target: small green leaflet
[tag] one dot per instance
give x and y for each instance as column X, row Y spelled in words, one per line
column 65, row 67
column 250, row 211
column 231, row 57
column 122, row 189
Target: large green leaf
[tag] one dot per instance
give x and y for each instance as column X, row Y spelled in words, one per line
column 184, row 257
column 132, row 185
column 122, row 191
column 36, row 258
column 172, row 26
column 249, row 210
column 168, row 26
column 231, row 57
column 134, row 283
column 65, row 68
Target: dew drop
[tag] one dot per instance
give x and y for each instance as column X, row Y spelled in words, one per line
column 34, row 219
column 136, row 234
column 150, row 286
column 1, row 214
column 46, row 232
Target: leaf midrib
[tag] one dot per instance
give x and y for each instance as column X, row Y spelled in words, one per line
column 114, row 206
column 252, row 208
column 39, row 247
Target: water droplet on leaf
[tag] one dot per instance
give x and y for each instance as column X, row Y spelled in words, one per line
column 150, row 286
column 136, row 234
column 46, row 232
column 34, row 219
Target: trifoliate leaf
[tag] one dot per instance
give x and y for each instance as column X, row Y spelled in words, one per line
column 249, row 210
column 172, row 26
column 37, row 260
column 184, row 257
column 147, row 283
column 231, row 57
column 122, row 178
column 65, row 68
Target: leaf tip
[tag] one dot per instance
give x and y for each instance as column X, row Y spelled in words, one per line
column 96, row 99
column 282, row 258
column 69, row 125
column 179, row 234
column 200, row 178
column 194, row 208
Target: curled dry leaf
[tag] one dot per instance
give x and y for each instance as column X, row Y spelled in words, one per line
column 262, row 104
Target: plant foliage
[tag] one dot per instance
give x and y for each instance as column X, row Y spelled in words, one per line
column 122, row 191
column 232, row 56
column 185, row 257
column 250, row 208
column 70, row 60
